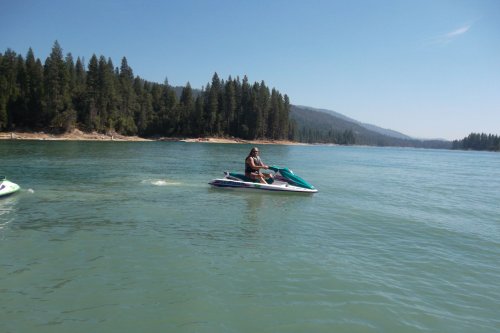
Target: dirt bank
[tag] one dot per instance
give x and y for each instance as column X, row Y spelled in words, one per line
column 77, row 135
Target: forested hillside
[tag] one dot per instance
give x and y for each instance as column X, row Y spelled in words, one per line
column 316, row 126
column 63, row 94
column 476, row 141
column 372, row 128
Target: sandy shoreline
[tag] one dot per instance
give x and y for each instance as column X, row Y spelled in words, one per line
column 77, row 135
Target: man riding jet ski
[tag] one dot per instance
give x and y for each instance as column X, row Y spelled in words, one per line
column 283, row 179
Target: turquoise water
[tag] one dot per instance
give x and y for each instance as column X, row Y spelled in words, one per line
column 128, row 237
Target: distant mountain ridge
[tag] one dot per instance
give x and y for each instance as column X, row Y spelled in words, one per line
column 374, row 128
column 326, row 126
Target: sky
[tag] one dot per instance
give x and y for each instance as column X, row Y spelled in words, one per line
column 426, row 68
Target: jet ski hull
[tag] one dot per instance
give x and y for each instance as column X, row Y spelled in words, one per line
column 8, row 188
column 275, row 187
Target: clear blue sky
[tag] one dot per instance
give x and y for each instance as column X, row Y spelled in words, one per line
column 428, row 69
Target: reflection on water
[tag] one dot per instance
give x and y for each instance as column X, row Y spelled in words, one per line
column 253, row 206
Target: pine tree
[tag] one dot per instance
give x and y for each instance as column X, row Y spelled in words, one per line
column 198, row 127
column 229, row 106
column 212, row 105
column 153, row 127
column 90, row 118
column 186, row 105
column 106, row 97
column 236, row 123
column 18, row 106
column 79, row 93
column 71, row 73
column 144, row 112
column 253, row 113
column 246, row 97
column 128, row 106
column 264, row 110
column 59, row 113
column 274, row 115
column 9, row 90
column 34, row 74
column 284, row 119
column 168, row 103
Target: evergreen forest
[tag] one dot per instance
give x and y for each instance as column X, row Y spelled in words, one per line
column 476, row 141
column 63, row 94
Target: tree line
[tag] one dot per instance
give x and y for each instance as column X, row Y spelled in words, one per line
column 310, row 135
column 322, row 127
column 476, row 141
column 63, row 94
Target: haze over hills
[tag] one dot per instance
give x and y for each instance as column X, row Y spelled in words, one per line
column 374, row 128
column 326, row 126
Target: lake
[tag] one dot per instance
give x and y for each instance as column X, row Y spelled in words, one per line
column 129, row 237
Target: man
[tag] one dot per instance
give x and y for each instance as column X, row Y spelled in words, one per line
column 253, row 164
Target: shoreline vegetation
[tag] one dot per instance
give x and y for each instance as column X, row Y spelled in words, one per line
column 77, row 135
column 70, row 100
column 97, row 97
column 479, row 142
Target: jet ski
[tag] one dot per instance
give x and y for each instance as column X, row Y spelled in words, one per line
column 7, row 187
column 283, row 180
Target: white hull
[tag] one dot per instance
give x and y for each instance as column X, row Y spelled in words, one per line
column 276, row 186
column 7, row 187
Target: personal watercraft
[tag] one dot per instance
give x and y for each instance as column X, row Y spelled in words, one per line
column 7, row 187
column 284, row 180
